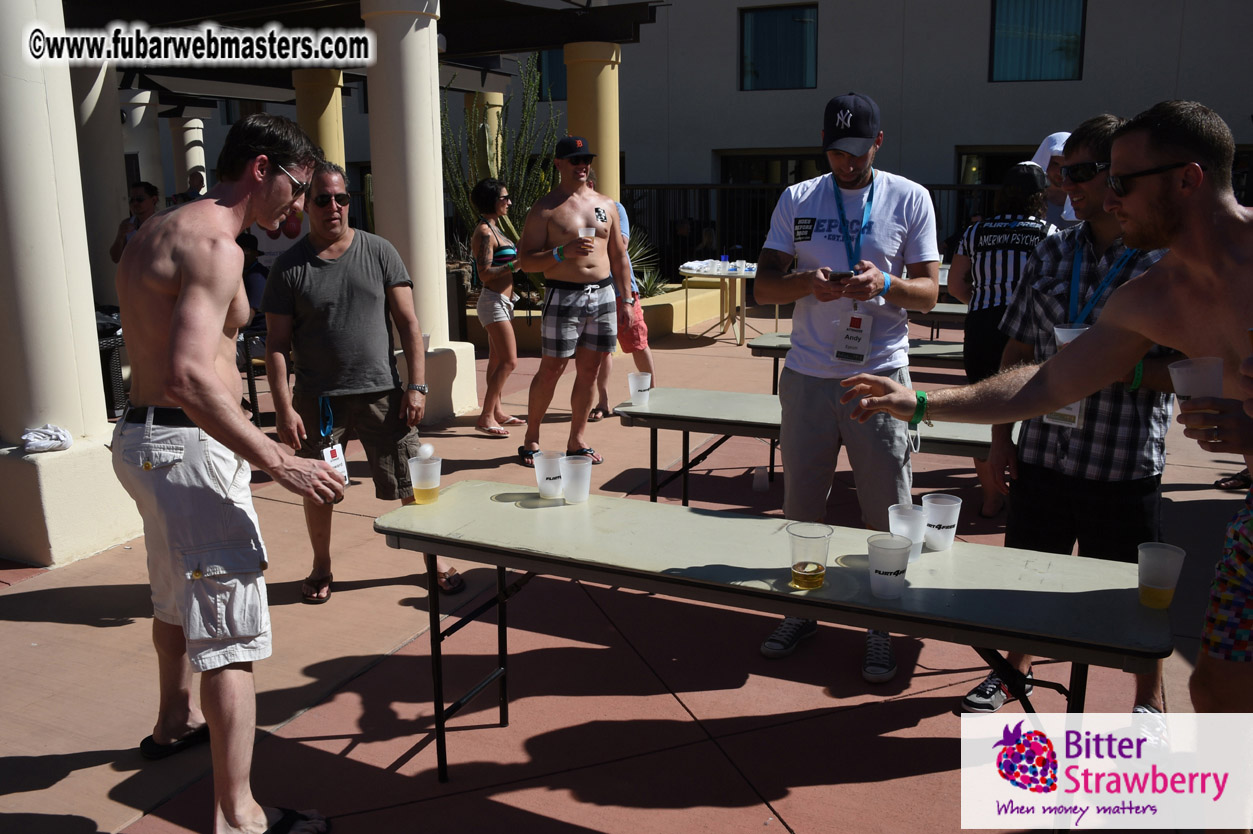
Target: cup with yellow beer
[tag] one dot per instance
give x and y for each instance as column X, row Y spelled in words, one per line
column 1160, row 565
column 808, row 544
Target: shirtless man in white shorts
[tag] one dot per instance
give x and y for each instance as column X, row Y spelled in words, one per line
column 183, row 452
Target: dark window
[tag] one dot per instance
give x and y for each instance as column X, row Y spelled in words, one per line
column 1037, row 40
column 552, row 75
column 779, row 48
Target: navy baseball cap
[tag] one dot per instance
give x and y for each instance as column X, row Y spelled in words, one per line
column 569, row 146
column 850, row 124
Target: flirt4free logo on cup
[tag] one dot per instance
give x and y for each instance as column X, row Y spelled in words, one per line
column 1116, row 771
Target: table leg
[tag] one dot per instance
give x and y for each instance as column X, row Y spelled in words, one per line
column 437, row 666
column 685, row 456
column 743, row 295
column 652, row 465
column 502, row 644
column 1078, row 687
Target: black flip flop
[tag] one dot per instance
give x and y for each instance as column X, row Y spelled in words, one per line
column 149, row 749
column 526, row 456
column 288, row 821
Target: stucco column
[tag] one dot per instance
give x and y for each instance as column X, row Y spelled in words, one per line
column 408, row 182
column 102, row 168
column 592, row 106
column 320, row 109
column 488, row 128
column 187, row 144
column 54, row 506
column 141, row 134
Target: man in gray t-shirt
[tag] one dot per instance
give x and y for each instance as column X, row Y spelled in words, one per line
column 331, row 300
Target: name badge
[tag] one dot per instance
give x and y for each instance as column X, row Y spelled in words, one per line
column 852, row 338
column 1070, row 416
column 335, row 457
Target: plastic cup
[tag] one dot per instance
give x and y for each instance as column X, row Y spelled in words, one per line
column 1159, row 572
column 808, row 544
column 640, row 384
column 1200, row 377
column 424, row 475
column 889, row 556
column 941, row 512
column 426, row 342
column 1064, row 334
column 548, row 473
column 576, row 477
column 587, row 231
column 739, row 265
column 910, row 521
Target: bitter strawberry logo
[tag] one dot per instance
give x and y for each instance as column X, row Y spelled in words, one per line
column 1028, row 760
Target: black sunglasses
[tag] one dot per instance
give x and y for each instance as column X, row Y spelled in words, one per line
column 1082, row 171
column 297, row 187
column 580, row 160
column 324, row 200
column 1118, row 182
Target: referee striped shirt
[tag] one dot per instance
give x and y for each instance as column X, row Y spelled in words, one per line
column 998, row 249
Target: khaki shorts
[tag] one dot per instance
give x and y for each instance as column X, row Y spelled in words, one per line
column 374, row 419
column 205, row 553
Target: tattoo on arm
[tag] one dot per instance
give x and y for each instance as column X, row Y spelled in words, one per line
column 772, row 260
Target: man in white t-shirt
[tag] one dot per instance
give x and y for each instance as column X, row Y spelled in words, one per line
column 853, row 233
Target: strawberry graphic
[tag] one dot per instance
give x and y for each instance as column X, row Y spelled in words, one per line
column 1028, row 760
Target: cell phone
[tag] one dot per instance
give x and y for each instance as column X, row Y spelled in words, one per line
column 840, row 276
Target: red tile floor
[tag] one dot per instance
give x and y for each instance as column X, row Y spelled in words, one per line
column 629, row 712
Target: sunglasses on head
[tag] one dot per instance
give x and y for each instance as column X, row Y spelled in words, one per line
column 1083, row 171
column 324, row 200
column 1118, row 183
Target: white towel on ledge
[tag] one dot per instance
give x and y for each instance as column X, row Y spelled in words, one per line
column 49, row 438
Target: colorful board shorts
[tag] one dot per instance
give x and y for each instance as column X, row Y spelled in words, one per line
column 578, row 316
column 205, row 553
column 1228, row 632
column 374, row 419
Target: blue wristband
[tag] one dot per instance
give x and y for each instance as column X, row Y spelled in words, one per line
column 887, row 282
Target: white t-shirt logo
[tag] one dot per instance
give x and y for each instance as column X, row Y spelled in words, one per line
column 844, row 119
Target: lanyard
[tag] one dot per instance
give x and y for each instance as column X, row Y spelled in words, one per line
column 325, row 418
column 853, row 251
column 1119, row 265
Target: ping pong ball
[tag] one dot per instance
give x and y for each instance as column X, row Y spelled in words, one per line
column 425, row 451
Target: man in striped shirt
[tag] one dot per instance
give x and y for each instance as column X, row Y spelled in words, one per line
column 1093, row 473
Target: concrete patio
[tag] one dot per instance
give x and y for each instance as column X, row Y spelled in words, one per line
column 630, row 712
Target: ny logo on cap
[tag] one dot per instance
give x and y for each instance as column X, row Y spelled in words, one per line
column 844, row 119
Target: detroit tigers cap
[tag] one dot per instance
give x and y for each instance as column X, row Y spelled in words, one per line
column 568, row 146
column 850, row 124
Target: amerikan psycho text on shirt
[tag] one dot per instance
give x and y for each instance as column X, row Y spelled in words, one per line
column 830, row 228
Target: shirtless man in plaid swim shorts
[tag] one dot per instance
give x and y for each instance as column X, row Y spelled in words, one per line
column 1169, row 186
column 580, row 317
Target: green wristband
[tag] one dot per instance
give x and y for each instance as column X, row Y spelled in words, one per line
column 1138, row 377
column 920, row 410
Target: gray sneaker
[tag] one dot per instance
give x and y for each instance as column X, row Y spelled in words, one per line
column 879, row 665
column 789, row 633
column 1152, row 725
column 990, row 695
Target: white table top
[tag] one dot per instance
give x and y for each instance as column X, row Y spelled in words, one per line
column 1065, row 607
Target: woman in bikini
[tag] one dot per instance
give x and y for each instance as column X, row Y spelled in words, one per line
column 494, row 258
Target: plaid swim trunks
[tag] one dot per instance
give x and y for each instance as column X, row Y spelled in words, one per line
column 1228, row 632
column 578, row 315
